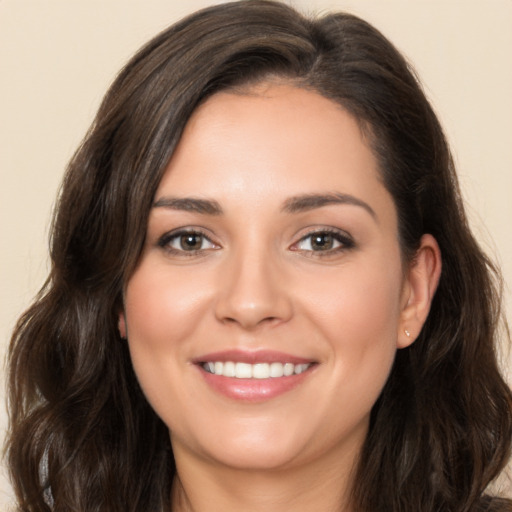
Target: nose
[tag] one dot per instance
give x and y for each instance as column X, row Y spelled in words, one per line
column 253, row 292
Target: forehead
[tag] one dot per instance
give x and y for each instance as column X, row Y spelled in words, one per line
column 272, row 139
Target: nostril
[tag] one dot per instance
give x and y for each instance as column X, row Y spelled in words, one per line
column 250, row 323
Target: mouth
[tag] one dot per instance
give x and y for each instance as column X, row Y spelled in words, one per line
column 239, row 370
column 253, row 376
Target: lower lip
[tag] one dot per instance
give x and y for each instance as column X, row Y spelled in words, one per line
column 253, row 390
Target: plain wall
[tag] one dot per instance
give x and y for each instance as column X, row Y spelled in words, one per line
column 57, row 58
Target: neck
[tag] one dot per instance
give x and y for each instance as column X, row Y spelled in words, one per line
column 205, row 486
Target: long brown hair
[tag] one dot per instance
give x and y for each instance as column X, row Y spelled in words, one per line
column 82, row 435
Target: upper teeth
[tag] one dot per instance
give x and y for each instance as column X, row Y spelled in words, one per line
column 254, row 371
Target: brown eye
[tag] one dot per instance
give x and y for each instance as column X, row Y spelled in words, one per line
column 186, row 242
column 191, row 241
column 322, row 241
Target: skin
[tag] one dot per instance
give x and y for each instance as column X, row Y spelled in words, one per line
column 257, row 282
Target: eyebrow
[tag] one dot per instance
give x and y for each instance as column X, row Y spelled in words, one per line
column 189, row 204
column 296, row 204
column 307, row 202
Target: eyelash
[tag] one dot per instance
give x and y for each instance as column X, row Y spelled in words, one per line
column 344, row 240
column 166, row 240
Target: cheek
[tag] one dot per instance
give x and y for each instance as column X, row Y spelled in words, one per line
column 162, row 312
column 357, row 318
column 162, row 308
column 359, row 304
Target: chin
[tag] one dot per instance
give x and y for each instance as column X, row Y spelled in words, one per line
column 263, row 446
column 274, row 446
column 257, row 457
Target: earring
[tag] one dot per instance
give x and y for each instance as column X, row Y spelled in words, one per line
column 407, row 333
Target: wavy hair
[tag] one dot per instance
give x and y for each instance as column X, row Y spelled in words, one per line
column 83, row 437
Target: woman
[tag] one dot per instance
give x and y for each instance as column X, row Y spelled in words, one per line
column 264, row 293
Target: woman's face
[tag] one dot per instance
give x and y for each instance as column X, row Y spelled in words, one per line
column 266, row 309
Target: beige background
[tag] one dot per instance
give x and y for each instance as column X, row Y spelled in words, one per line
column 57, row 58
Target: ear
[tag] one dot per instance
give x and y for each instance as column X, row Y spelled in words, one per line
column 121, row 325
column 420, row 285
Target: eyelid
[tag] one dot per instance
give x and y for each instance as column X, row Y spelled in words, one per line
column 164, row 240
column 342, row 237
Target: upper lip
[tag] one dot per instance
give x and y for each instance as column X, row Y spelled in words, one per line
column 251, row 357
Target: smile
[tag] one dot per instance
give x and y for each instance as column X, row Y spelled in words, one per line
column 240, row 370
column 254, row 376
